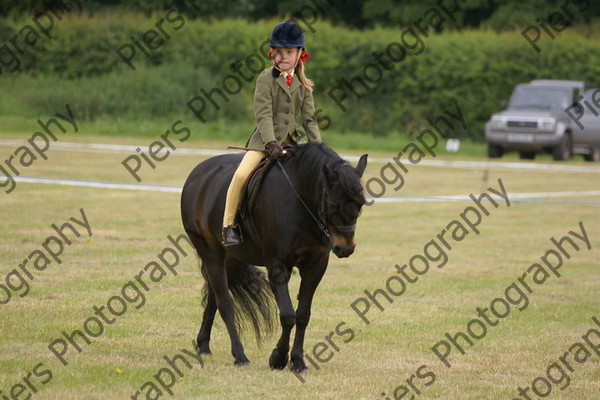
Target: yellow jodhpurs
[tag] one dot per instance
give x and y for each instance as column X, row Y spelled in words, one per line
column 234, row 193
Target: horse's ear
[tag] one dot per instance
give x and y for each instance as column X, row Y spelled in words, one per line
column 362, row 164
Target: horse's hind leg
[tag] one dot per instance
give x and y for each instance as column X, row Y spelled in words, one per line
column 214, row 264
column 207, row 322
column 210, row 307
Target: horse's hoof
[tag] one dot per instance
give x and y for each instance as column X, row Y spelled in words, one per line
column 298, row 366
column 277, row 361
column 298, row 370
column 202, row 347
column 241, row 360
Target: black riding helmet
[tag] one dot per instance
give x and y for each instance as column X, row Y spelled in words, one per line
column 287, row 34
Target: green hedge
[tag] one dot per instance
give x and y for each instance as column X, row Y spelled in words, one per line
column 80, row 66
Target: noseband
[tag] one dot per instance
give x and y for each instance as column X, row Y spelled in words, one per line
column 344, row 228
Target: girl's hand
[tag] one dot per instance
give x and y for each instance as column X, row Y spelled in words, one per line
column 275, row 151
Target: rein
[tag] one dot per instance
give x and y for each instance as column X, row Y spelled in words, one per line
column 322, row 226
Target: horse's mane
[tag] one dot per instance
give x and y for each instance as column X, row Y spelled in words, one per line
column 308, row 161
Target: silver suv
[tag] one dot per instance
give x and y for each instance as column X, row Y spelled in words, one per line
column 553, row 116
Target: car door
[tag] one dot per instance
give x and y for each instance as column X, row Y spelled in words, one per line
column 590, row 119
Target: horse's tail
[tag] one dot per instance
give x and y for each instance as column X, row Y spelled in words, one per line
column 253, row 299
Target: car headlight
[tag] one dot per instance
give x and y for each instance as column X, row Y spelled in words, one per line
column 546, row 125
column 498, row 124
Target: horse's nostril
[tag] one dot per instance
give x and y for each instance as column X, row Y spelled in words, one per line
column 343, row 252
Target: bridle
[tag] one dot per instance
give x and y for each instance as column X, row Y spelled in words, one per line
column 323, row 226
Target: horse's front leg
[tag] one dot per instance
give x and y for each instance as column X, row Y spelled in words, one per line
column 279, row 277
column 310, row 279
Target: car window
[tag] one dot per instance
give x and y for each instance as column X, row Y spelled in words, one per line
column 548, row 98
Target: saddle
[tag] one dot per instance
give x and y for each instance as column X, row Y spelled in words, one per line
column 252, row 187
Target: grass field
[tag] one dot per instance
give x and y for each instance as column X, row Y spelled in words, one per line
column 130, row 228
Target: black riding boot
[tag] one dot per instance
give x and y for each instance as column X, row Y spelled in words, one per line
column 232, row 235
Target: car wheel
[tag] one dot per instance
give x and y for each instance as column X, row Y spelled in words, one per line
column 594, row 155
column 494, row 151
column 562, row 152
column 526, row 155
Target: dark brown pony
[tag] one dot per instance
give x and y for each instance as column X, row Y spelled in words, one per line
column 286, row 227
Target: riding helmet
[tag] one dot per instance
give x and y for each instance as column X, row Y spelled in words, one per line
column 287, row 34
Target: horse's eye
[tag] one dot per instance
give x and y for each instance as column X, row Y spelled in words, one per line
column 334, row 206
column 352, row 210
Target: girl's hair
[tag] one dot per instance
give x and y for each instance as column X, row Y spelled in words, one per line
column 308, row 83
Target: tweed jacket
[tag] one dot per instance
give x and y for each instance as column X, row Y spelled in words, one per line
column 276, row 107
